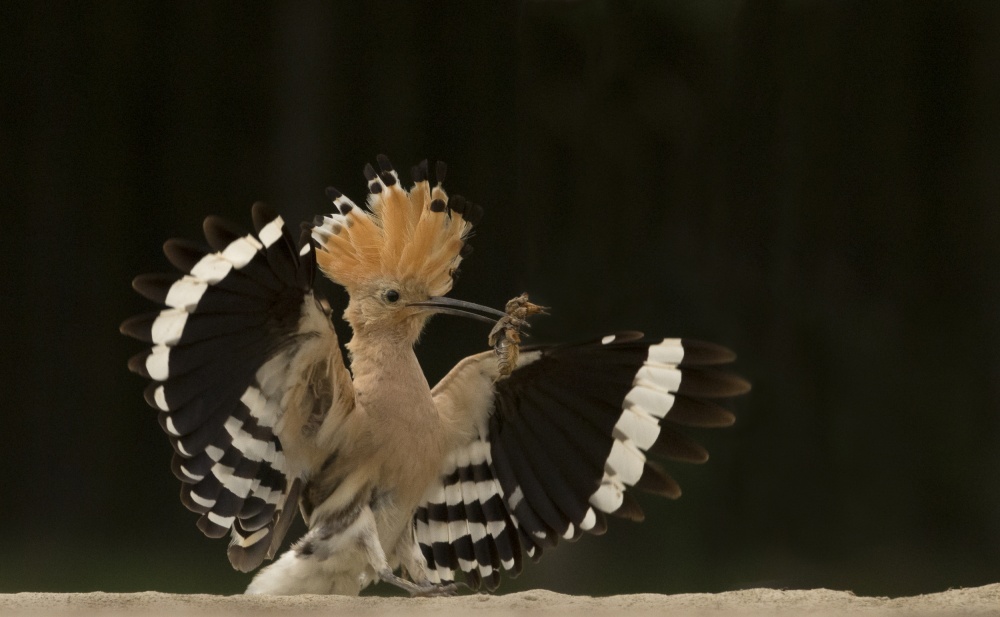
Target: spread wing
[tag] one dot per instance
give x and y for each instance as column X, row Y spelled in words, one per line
column 553, row 448
column 244, row 367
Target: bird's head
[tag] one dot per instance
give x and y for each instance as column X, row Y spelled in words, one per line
column 397, row 258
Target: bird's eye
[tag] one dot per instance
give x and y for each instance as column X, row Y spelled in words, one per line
column 392, row 295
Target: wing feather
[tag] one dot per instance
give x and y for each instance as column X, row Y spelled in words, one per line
column 237, row 358
column 556, row 446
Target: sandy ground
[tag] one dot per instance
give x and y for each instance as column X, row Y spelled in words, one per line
column 979, row 600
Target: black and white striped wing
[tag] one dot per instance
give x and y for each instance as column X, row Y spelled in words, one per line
column 557, row 445
column 241, row 332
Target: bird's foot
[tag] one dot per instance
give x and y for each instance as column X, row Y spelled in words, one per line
column 425, row 590
column 431, row 590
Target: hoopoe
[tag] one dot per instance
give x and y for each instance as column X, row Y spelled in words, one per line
column 513, row 450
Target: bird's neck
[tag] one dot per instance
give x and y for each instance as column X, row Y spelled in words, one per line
column 387, row 373
column 392, row 392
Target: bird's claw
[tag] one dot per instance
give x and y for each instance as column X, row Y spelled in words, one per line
column 434, row 591
column 419, row 590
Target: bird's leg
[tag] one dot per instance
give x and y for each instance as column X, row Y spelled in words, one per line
column 376, row 558
column 412, row 561
column 505, row 337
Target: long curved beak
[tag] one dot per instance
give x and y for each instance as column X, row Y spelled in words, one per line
column 461, row 308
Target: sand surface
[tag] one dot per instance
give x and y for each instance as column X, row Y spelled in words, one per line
column 978, row 600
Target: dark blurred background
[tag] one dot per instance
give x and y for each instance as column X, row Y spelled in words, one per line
column 815, row 184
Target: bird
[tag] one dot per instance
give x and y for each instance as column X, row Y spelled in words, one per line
column 399, row 482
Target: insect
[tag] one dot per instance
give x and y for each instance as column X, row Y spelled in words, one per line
column 505, row 337
column 512, row 451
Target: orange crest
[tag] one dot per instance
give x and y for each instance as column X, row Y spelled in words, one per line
column 417, row 235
